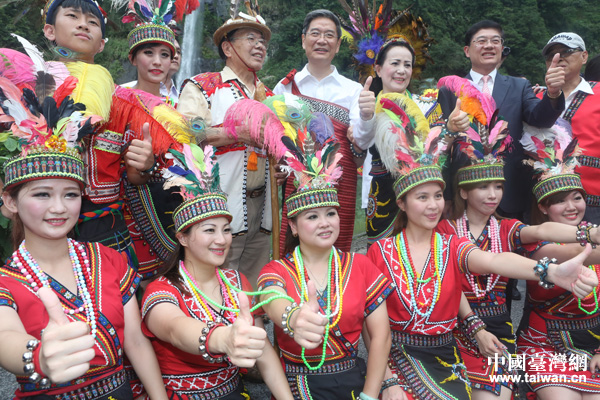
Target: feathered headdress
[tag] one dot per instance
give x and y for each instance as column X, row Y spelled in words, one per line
column 151, row 18
column 408, row 148
column 371, row 29
column 238, row 19
column 553, row 155
column 197, row 174
column 48, row 133
column 313, row 159
column 480, row 150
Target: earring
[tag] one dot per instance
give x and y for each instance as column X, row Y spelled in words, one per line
column 294, row 234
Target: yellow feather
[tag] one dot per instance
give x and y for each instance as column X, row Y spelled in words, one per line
column 94, row 89
column 174, row 123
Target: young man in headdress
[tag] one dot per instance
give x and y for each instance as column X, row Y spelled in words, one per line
column 325, row 90
column 582, row 103
column 242, row 42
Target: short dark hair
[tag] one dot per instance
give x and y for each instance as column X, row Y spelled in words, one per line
column 85, row 6
column 322, row 14
column 592, row 69
column 145, row 46
column 485, row 24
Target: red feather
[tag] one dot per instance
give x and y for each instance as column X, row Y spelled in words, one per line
column 538, row 143
column 65, row 89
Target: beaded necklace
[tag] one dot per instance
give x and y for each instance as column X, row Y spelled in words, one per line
column 409, row 273
column 24, row 262
column 495, row 247
column 332, row 281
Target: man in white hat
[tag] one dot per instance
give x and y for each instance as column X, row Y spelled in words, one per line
column 582, row 110
column 242, row 43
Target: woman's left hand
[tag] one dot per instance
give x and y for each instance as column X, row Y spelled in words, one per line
column 572, row 275
column 488, row 343
column 595, row 364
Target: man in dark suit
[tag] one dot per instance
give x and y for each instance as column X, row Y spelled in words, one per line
column 484, row 43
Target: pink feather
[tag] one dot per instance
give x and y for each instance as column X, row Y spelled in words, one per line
column 16, row 67
column 135, row 96
column 464, row 87
column 499, row 127
column 295, row 164
column 473, row 135
column 189, row 160
column 263, row 124
column 538, row 143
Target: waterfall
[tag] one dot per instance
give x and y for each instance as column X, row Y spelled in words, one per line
column 191, row 54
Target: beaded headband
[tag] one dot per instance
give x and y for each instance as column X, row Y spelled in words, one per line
column 48, row 132
column 52, row 5
column 151, row 33
column 209, row 205
column 196, row 173
column 239, row 20
column 307, row 199
column 555, row 184
column 416, row 177
column 480, row 173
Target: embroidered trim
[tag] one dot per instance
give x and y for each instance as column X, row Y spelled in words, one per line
column 576, row 103
column 109, row 141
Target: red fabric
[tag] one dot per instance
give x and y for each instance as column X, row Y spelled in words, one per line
column 346, row 188
column 115, row 283
column 364, row 288
column 384, row 255
column 195, row 374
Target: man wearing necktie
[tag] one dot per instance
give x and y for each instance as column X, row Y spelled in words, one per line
column 484, row 43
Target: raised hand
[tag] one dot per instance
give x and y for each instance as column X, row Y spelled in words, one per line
column 307, row 323
column 67, row 347
column 366, row 101
column 555, row 77
column 572, row 275
column 139, row 154
column 244, row 342
column 458, row 121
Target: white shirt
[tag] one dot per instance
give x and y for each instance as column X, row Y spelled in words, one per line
column 478, row 82
column 172, row 94
column 583, row 86
column 338, row 89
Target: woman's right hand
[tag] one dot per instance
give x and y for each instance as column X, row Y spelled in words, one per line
column 66, row 347
column 308, row 323
column 393, row 393
column 244, row 342
column 489, row 345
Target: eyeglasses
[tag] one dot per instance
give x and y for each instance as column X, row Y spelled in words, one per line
column 253, row 40
column 317, row 34
column 494, row 41
column 563, row 54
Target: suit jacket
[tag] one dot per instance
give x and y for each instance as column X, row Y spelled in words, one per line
column 516, row 103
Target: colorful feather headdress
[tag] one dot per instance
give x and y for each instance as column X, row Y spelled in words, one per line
column 195, row 171
column 553, row 154
column 313, row 159
column 408, row 148
column 151, row 18
column 238, row 19
column 371, row 30
column 48, row 133
column 479, row 151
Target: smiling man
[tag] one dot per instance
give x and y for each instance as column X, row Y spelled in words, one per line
column 242, row 42
column 484, row 43
column 582, row 108
column 325, row 90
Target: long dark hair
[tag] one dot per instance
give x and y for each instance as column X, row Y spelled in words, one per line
column 459, row 205
column 291, row 241
column 170, row 268
column 537, row 216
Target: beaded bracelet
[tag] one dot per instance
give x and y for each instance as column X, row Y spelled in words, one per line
column 357, row 154
column 388, row 383
column 151, row 170
column 541, row 270
column 29, row 367
column 285, row 319
column 584, row 234
column 203, row 340
column 363, row 396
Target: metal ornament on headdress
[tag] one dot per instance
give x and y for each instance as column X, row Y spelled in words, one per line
column 250, row 19
column 370, row 29
column 553, row 154
column 485, row 142
column 197, row 174
column 48, row 133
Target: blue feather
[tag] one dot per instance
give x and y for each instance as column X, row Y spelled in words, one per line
column 321, row 126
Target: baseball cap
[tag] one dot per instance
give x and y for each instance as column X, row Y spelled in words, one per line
column 569, row 39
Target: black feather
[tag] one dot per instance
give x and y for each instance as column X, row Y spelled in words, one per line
column 568, row 152
column 86, row 129
column 291, row 146
column 50, row 112
column 31, row 101
column 44, row 85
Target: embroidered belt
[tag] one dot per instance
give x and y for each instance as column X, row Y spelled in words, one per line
column 97, row 389
column 413, row 339
column 213, row 393
column 589, row 161
column 572, row 324
column 102, row 212
column 490, row 311
column 592, row 200
column 327, row 368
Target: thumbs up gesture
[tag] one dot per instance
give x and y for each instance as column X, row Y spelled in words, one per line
column 307, row 323
column 366, row 101
column 555, row 77
column 244, row 342
column 458, row 121
column 139, row 154
column 67, row 347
